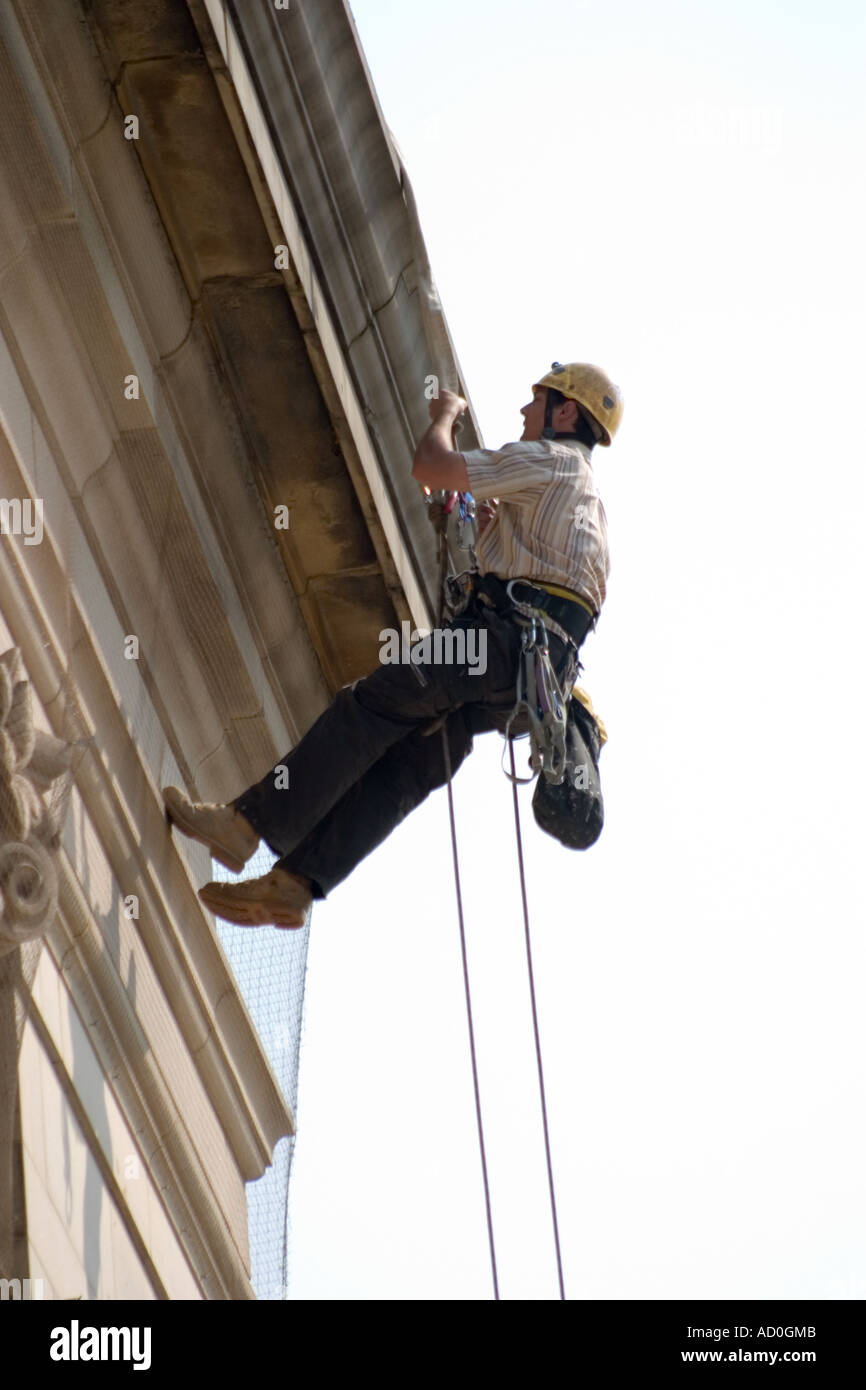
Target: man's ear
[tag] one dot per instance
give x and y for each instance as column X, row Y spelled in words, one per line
column 569, row 419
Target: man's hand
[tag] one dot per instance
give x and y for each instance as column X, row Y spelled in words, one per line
column 437, row 464
column 446, row 405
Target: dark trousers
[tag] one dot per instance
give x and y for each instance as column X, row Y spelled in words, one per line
column 366, row 762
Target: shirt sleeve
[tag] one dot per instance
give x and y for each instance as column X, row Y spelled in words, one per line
column 517, row 471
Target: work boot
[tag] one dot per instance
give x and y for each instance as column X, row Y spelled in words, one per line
column 229, row 837
column 278, row 899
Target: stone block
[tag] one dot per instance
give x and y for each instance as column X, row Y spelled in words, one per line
column 14, row 223
column 46, row 340
column 300, row 462
column 168, row 598
column 34, row 182
column 219, row 455
column 195, row 170
column 66, row 46
column 133, row 31
column 99, row 344
column 136, row 236
column 350, row 610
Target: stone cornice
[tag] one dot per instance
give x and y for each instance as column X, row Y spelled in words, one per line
column 334, row 185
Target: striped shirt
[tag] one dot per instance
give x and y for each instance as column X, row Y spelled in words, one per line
column 550, row 524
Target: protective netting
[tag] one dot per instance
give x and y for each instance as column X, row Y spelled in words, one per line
column 270, row 967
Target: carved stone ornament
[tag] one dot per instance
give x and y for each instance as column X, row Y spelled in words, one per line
column 31, row 761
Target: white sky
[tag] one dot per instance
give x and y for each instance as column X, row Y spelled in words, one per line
column 674, row 191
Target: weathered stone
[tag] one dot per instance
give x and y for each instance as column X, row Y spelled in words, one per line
column 46, row 341
column 137, row 235
column 132, row 31
column 300, row 462
column 80, row 81
column 195, row 170
column 333, row 604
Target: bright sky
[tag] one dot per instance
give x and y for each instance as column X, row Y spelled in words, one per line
column 674, row 191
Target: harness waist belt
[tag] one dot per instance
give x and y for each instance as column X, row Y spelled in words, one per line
column 571, row 614
column 562, row 593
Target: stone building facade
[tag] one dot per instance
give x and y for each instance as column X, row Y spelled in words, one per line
column 212, row 367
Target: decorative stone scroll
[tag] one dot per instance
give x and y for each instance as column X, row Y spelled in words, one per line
column 31, row 762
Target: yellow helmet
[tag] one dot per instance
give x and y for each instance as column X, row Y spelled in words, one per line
column 592, row 389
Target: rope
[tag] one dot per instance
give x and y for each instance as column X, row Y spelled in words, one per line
column 469, row 1015
column 440, row 522
column 535, row 1027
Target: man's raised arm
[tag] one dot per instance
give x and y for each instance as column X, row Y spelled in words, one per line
column 436, row 463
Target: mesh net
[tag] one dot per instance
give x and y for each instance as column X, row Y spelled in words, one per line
column 270, row 967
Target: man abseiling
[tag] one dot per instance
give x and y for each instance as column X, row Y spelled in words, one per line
column 370, row 759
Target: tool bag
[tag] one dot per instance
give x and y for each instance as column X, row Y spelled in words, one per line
column 572, row 811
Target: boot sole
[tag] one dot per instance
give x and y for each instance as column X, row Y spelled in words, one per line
column 223, row 856
column 252, row 914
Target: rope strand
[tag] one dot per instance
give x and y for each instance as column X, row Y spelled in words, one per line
column 447, row 756
column 440, row 521
column 535, row 1028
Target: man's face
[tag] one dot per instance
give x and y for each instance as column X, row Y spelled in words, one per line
column 562, row 417
column 533, row 414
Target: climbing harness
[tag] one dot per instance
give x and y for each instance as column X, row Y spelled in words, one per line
column 539, row 694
